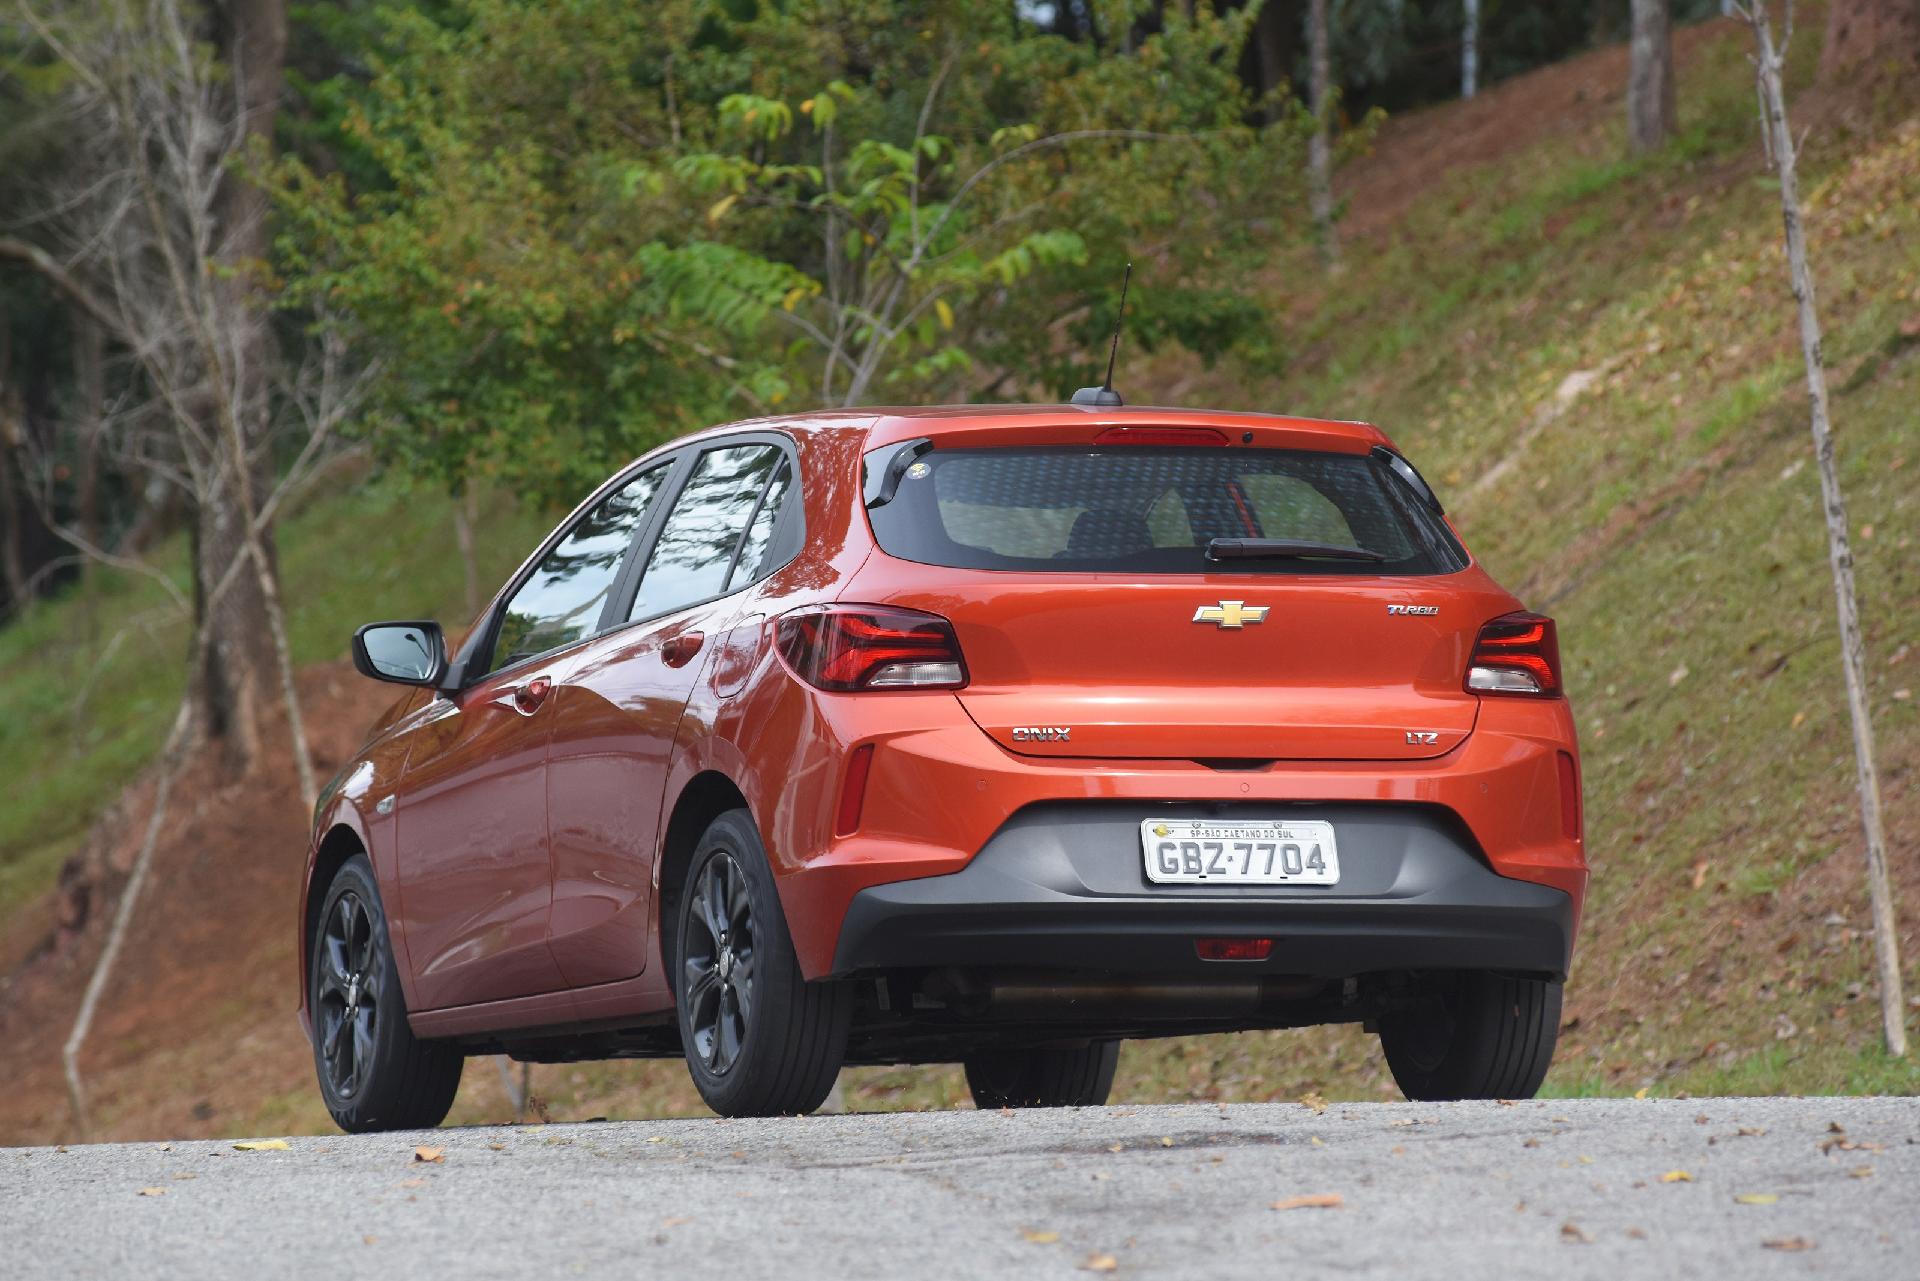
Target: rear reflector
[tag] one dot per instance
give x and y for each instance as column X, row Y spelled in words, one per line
column 1516, row 654
column 1233, row 949
column 851, row 647
column 1569, row 797
column 853, row 791
column 1175, row 436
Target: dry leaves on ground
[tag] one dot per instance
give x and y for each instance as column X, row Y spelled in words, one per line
column 431, row 1156
column 1100, row 1263
column 1039, row 1238
column 1676, row 1176
column 1312, row 1201
column 1756, row 1198
column 1574, row 1234
column 262, row 1145
column 1791, row 1244
column 153, row 1191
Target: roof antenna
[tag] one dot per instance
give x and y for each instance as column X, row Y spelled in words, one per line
column 1104, row 394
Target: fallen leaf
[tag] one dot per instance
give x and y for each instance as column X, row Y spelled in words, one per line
column 153, row 1191
column 1676, row 1176
column 1757, row 1198
column 432, row 1156
column 1040, row 1238
column 1638, row 1234
column 1574, row 1234
column 676, row 1221
column 184, row 1175
column 1100, row 1263
column 656, row 1138
column 1640, row 1093
column 1314, row 1101
column 368, row 1240
column 1316, row 1140
column 1006, row 1111
column 262, row 1145
column 498, row 1147
column 1166, row 1140
column 1116, row 1147
column 1792, row 1244
column 1311, row 1201
column 1752, row 1131
column 413, row 1183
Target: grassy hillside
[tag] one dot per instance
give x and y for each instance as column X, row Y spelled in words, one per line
column 1595, row 360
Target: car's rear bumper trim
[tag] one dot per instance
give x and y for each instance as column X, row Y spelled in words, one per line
column 1063, row 887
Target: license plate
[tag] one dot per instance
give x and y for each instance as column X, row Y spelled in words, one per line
column 1182, row 851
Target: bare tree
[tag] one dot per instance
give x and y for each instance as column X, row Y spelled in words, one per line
column 1319, row 147
column 1769, row 61
column 1650, row 94
column 165, row 240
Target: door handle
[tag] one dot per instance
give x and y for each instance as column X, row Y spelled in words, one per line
column 529, row 696
column 678, row 651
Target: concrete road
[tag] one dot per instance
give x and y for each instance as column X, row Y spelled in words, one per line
column 1564, row 1188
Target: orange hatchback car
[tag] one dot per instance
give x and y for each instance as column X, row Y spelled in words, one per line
column 990, row 735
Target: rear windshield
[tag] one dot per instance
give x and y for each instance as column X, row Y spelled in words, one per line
column 1155, row 510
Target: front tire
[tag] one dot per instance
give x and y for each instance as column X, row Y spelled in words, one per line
column 374, row 1073
column 1474, row 1035
column 1078, row 1076
column 760, row 1040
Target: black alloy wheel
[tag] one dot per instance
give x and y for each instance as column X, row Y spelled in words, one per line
column 374, row 1073
column 717, row 966
column 348, row 986
column 760, row 1040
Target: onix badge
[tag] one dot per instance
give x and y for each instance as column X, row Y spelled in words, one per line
column 1230, row 614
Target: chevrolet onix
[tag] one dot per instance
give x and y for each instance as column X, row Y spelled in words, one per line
column 990, row 735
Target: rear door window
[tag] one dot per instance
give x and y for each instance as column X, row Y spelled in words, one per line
column 721, row 530
column 1154, row 510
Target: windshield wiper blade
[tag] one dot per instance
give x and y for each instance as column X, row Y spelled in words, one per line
column 1284, row 549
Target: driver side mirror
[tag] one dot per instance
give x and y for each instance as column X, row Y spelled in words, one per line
column 404, row 653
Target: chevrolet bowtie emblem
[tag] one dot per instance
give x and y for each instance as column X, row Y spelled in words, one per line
column 1231, row 614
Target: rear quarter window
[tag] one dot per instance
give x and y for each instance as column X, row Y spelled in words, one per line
column 1155, row 510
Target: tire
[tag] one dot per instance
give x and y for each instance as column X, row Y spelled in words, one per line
column 1051, row 1077
column 1476, row 1035
column 759, row 1039
column 374, row 1073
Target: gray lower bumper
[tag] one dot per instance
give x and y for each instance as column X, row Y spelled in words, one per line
column 1063, row 886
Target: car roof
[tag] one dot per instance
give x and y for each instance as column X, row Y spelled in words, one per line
column 889, row 423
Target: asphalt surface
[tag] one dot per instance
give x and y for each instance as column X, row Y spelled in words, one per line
column 1561, row 1188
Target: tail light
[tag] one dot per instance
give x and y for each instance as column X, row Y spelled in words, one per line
column 1516, row 654
column 850, row 647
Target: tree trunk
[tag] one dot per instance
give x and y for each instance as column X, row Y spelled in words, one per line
column 1839, row 549
column 1650, row 109
column 1880, row 38
column 1470, row 51
column 466, row 514
column 1320, row 148
column 247, row 633
column 90, row 377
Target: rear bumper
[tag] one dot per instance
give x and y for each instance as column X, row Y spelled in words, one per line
column 1062, row 886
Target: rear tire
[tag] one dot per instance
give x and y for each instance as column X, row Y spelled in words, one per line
column 1050, row 1077
column 760, row 1040
column 374, row 1073
column 1475, row 1035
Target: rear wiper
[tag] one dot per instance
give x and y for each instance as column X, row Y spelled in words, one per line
column 1284, row 549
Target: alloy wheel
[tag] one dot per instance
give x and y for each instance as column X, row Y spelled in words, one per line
column 717, row 972
column 349, row 999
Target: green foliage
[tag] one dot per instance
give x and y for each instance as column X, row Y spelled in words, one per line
column 574, row 231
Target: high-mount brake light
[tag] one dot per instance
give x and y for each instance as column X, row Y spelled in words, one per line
column 1516, row 654
column 861, row 647
column 1175, row 436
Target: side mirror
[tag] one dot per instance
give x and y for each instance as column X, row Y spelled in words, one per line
column 404, row 653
